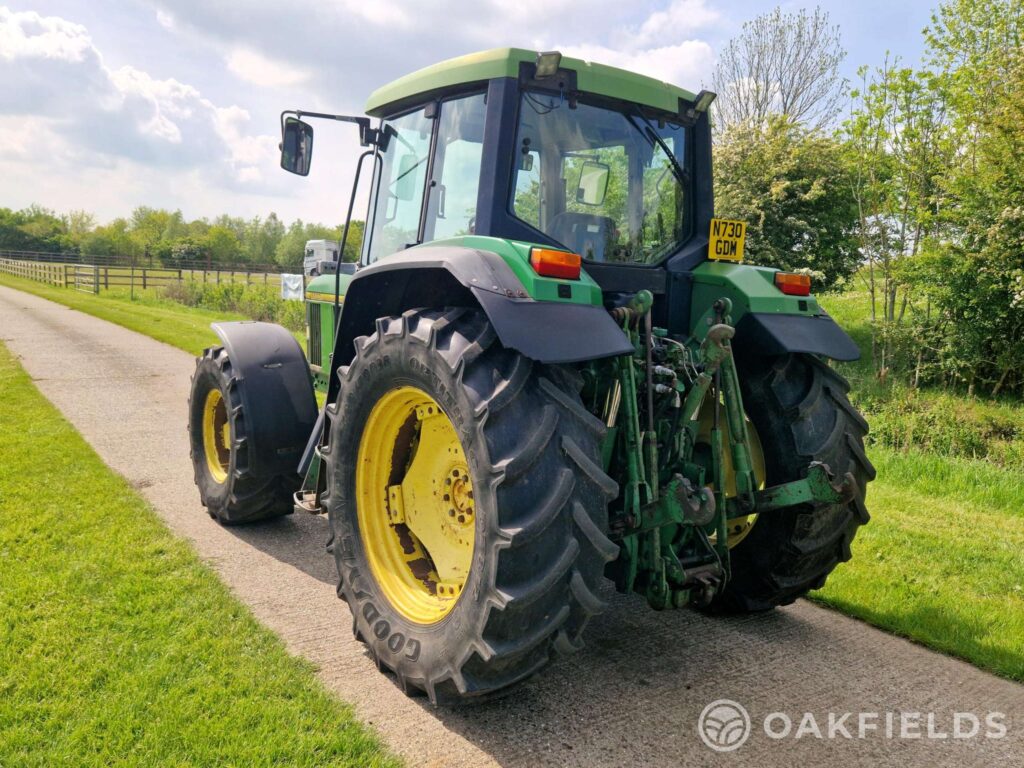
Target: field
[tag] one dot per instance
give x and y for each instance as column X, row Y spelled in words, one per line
column 940, row 563
column 117, row 646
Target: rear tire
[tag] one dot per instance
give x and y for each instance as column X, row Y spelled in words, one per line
column 541, row 505
column 799, row 406
column 229, row 490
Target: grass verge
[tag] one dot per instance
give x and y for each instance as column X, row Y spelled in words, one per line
column 117, row 646
column 940, row 562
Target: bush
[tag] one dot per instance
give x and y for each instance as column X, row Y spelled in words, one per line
column 904, row 419
column 259, row 302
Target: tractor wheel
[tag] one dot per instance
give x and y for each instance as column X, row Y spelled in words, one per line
column 217, row 432
column 467, row 504
column 800, row 412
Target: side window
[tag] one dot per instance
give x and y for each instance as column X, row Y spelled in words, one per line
column 526, row 200
column 399, row 185
column 451, row 206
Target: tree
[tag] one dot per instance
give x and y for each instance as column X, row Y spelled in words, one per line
column 787, row 183
column 262, row 237
column 781, row 64
column 900, row 145
column 32, row 229
column 975, row 275
column 221, row 245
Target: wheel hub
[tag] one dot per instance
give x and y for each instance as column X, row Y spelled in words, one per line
column 216, row 435
column 737, row 527
column 415, row 504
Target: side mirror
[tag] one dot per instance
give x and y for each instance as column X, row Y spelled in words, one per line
column 593, row 183
column 296, row 146
column 405, row 182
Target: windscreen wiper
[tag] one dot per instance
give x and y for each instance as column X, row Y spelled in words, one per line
column 654, row 139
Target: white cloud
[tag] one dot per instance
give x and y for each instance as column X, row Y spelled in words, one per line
column 164, row 19
column 56, row 75
column 687, row 64
column 664, row 28
column 258, row 69
column 180, row 129
column 31, row 36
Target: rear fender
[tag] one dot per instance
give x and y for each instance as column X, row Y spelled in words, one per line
column 278, row 403
column 448, row 275
column 768, row 322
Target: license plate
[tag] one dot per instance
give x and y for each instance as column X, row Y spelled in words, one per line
column 726, row 240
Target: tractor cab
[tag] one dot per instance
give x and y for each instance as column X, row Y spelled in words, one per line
column 544, row 149
column 534, row 147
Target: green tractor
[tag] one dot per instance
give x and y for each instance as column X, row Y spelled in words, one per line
column 549, row 370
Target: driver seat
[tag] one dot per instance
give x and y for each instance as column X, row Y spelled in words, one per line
column 583, row 233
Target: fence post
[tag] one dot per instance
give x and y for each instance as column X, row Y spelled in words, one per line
column 143, row 278
column 96, row 280
column 106, row 278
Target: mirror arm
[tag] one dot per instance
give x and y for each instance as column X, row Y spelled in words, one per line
column 367, row 136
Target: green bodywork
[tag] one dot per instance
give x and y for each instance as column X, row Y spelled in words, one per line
column 320, row 323
column 748, row 288
column 516, row 254
column 321, row 320
column 504, row 62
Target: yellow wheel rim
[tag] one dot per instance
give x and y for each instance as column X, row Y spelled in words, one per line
column 216, row 435
column 414, row 504
column 738, row 527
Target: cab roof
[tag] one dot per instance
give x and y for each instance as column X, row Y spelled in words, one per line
column 504, row 62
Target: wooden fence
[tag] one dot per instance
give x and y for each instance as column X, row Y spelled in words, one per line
column 92, row 278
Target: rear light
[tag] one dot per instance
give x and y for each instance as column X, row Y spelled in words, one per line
column 793, row 284
column 551, row 263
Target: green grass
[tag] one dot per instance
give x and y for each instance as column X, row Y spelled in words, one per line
column 183, row 327
column 940, row 562
column 117, row 646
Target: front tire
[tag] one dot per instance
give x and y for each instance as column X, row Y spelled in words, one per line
column 799, row 408
column 539, row 505
column 218, row 430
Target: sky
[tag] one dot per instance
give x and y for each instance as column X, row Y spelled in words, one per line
column 106, row 105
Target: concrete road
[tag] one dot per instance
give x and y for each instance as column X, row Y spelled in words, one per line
column 632, row 697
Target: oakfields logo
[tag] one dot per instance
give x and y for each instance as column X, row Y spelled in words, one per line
column 724, row 725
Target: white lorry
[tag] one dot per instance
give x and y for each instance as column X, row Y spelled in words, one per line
column 320, row 254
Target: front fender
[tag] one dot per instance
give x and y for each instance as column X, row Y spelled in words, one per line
column 276, row 389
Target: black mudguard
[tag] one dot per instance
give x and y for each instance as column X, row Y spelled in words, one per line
column 447, row 275
column 276, row 390
column 762, row 334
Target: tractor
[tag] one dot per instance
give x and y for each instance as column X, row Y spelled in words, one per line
column 550, row 369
